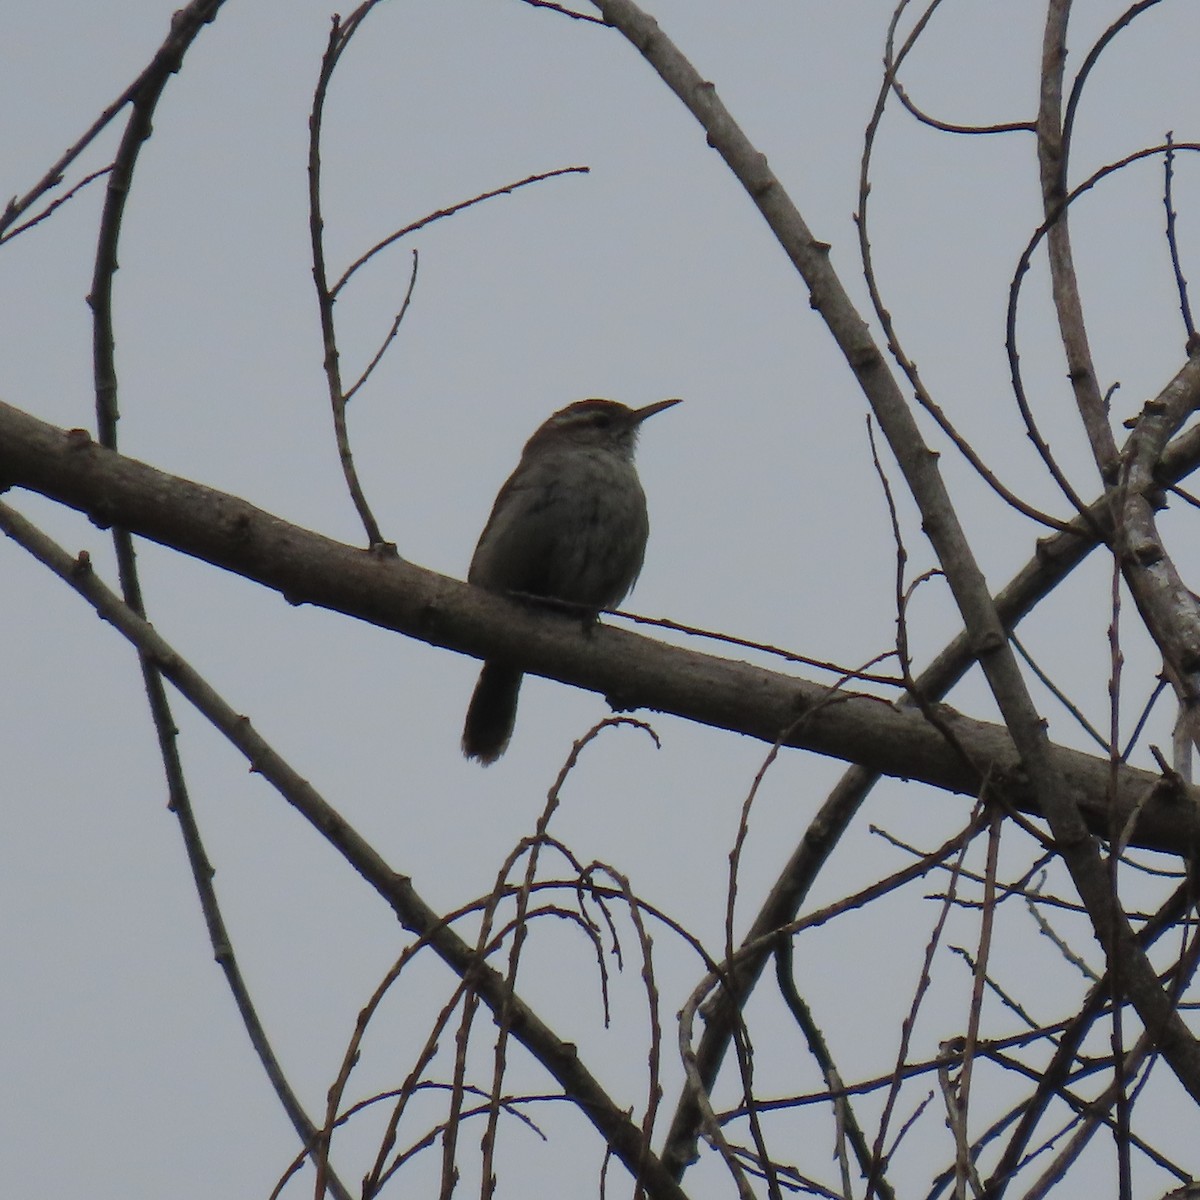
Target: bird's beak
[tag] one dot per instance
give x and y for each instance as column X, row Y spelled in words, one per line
column 640, row 414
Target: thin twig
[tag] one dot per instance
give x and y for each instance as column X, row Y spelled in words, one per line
column 387, row 341
column 186, row 23
column 1116, row 835
column 1048, row 683
column 1014, row 292
column 893, row 59
column 964, row 1162
column 563, row 10
column 54, row 205
column 845, row 1120
column 1181, row 285
column 1160, row 686
column 879, row 1155
column 340, row 34
column 859, row 675
column 504, row 190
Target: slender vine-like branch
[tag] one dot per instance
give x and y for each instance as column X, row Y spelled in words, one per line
column 959, row 1096
column 155, row 653
column 1181, row 285
column 819, row 1048
column 186, row 23
column 893, row 59
column 1089, row 62
column 859, row 675
column 1014, row 293
column 879, row 1156
column 143, row 98
column 340, row 34
column 910, row 106
column 1121, row 1063
column 1057, row 692
column 391, row 334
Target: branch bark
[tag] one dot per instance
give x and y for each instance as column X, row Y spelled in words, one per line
column 309, row 568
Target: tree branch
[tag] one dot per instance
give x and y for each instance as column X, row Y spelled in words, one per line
column 309, row 568
column 561, row 1059
column 1040, row 762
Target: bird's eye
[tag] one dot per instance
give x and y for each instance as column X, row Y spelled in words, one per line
column 601, row 420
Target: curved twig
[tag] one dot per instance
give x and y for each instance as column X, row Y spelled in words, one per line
column 504, row 190
column 890, row 67
column 893, row 59
column 144, row 96
column 156, row 656
column 340, row 33
column 1014, row 293
column 387, row 341
column 1089, row 61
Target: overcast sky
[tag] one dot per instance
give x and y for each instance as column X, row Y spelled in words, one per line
column 126, row 1070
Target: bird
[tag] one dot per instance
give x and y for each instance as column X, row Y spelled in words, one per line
column 569, row 525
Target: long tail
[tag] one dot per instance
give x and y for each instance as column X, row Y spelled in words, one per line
column 492, row 713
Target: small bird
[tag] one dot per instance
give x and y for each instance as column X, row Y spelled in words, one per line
column 570, row 524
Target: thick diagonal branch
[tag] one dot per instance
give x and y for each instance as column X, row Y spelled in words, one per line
column 918, row 463
column 307, row 567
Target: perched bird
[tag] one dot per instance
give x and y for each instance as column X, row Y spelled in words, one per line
column 569, row 524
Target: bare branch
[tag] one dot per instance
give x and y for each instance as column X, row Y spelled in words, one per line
column 156, row 654
column 893, row 59
column 387, row 341
column 339, row 35
column 560, row 1058
column 1053, row 147
column 55, row 204
column 1181, row 285
column 505, row 190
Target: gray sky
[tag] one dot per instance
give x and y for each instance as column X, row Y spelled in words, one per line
column 126, row 1070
